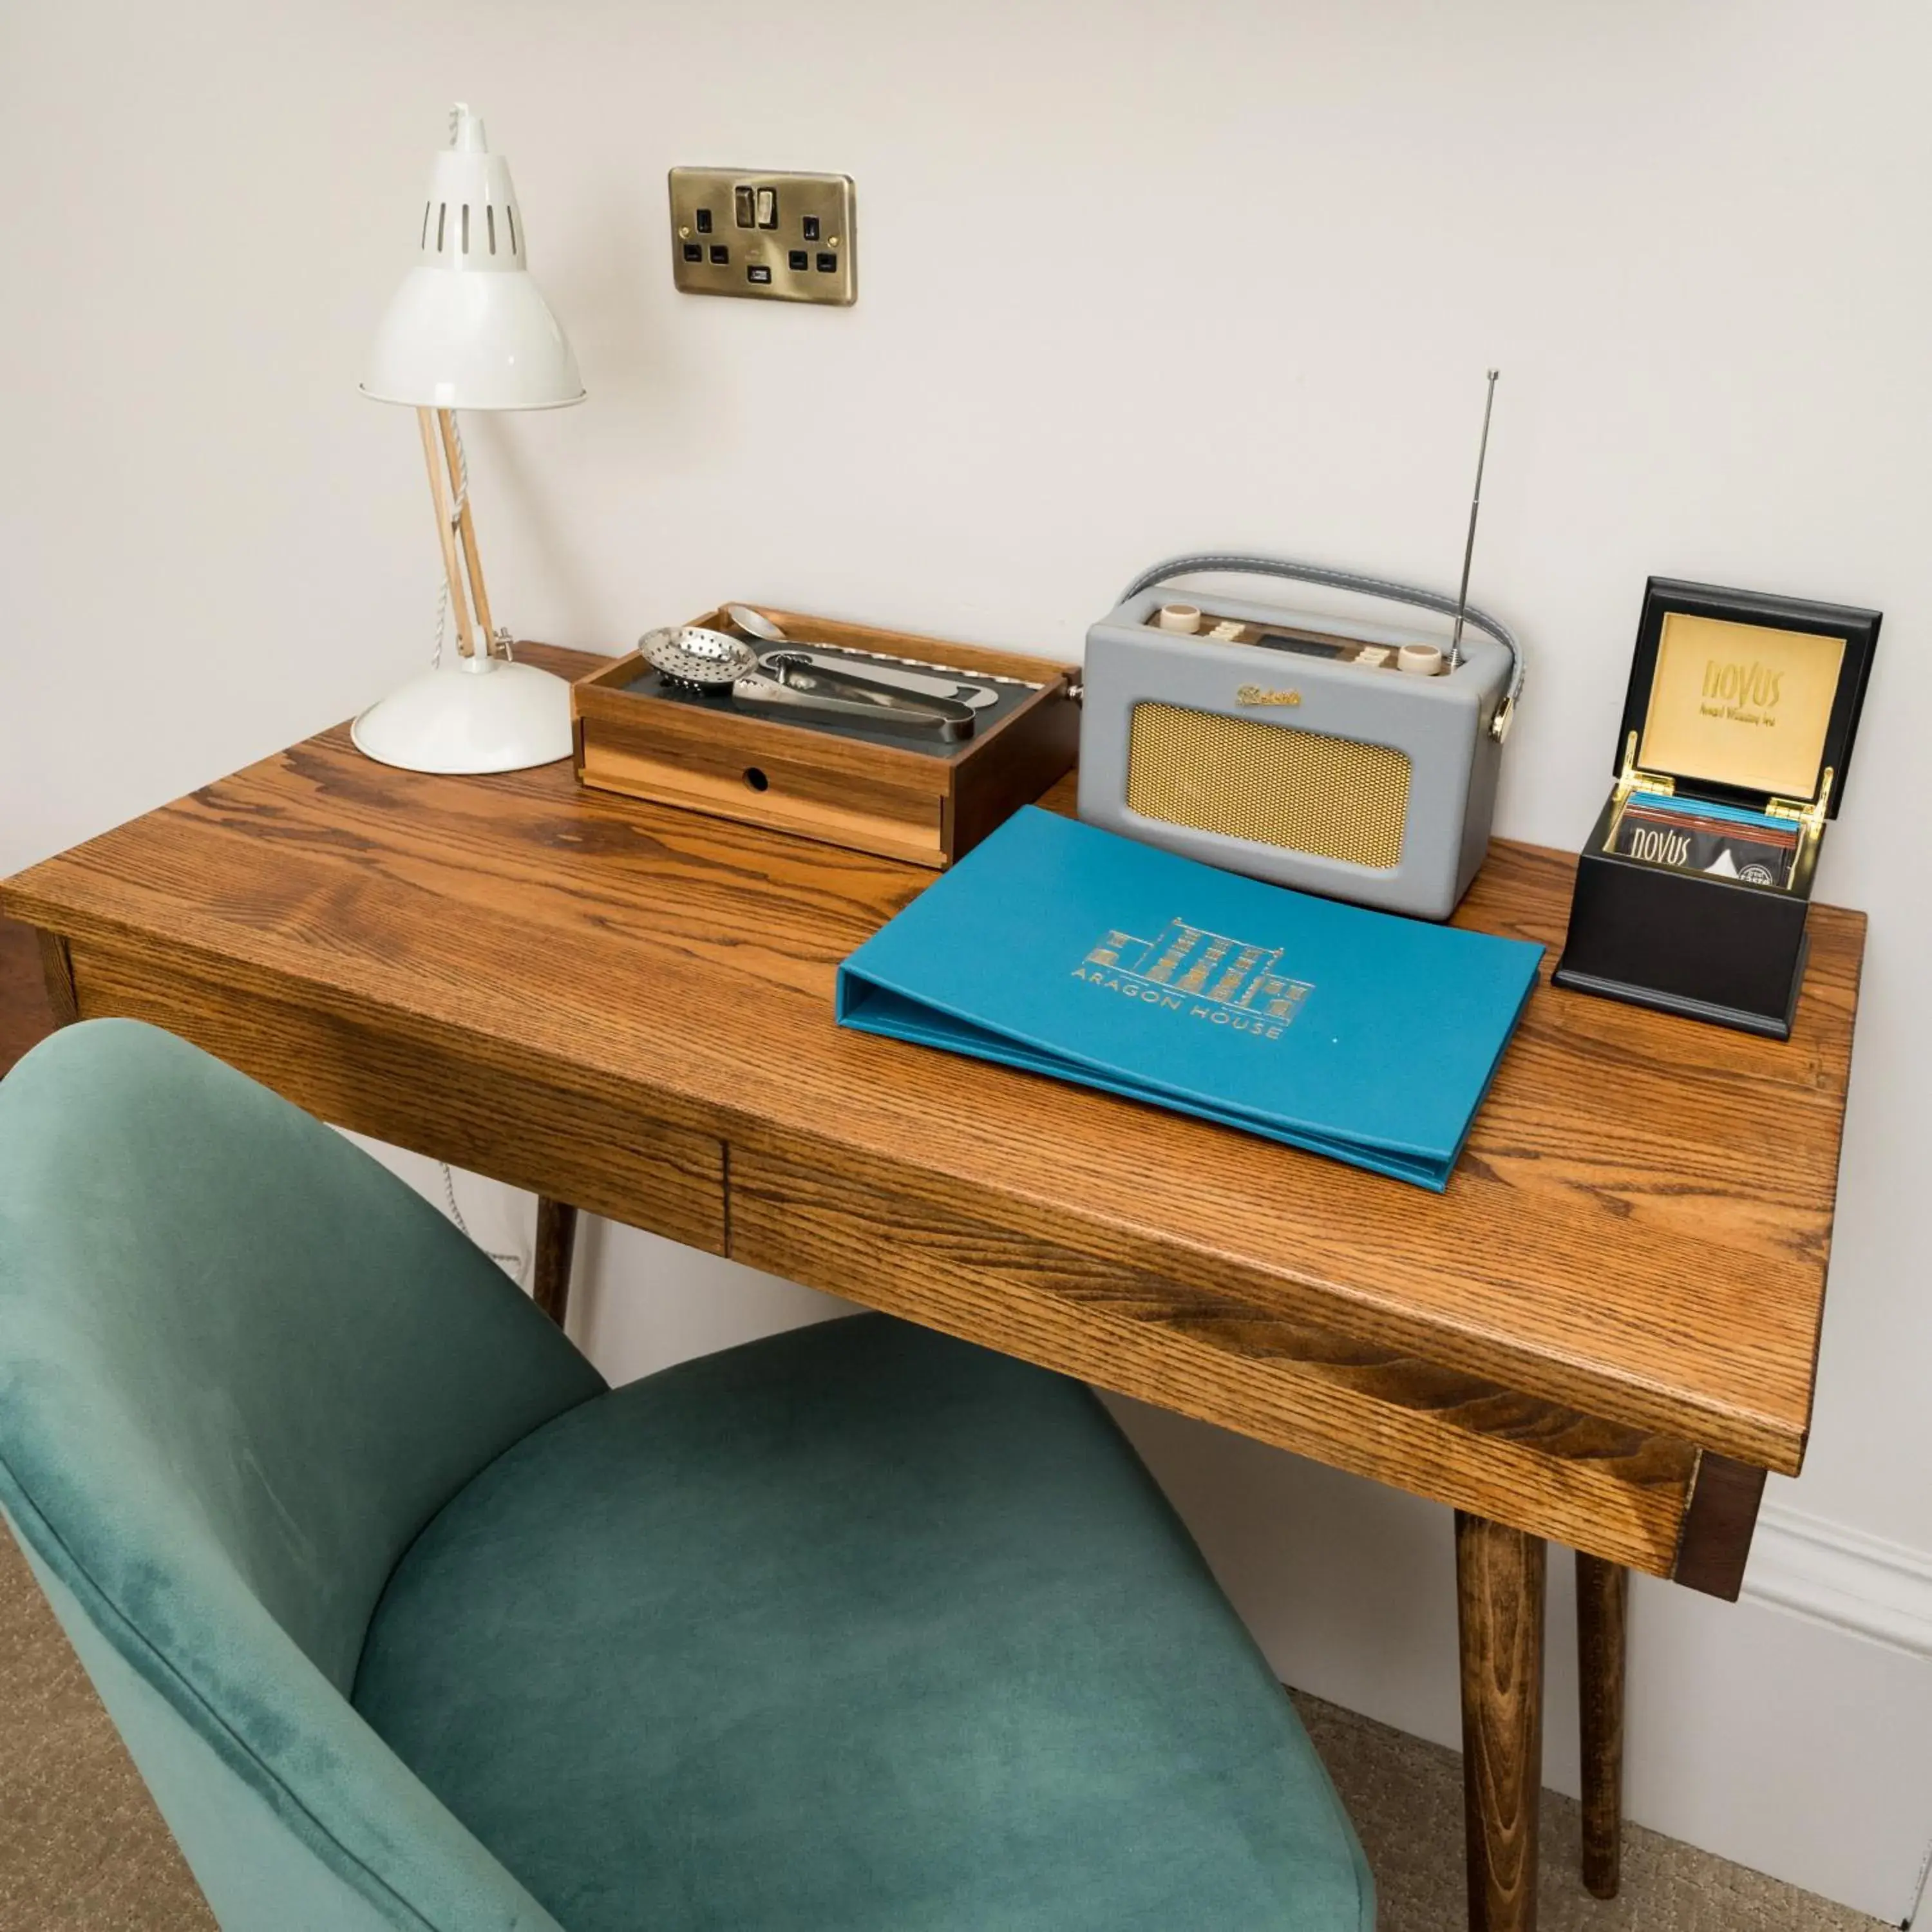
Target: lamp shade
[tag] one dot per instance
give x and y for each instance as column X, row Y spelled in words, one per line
column 468, row 329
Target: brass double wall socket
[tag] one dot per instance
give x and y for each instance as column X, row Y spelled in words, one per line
column 776, row 237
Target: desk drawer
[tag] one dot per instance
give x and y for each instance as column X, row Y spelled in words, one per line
column 416, row 1094
column 1612, row 1491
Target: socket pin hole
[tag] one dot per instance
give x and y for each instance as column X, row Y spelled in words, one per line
column 756, row 779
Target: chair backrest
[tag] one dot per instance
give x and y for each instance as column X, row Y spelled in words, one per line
column 241, row 1366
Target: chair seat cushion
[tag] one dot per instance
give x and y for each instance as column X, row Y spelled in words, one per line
column 857, row 1629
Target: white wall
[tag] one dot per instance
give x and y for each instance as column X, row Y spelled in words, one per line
column 1134, row 278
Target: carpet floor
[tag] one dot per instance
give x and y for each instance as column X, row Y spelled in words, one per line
column 82, row 1849
column 1406, row 1799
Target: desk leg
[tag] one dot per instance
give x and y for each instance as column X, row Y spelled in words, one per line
column 57, row 971
column 557, row 1243
column 1499, row 1594
column 1603, row 1604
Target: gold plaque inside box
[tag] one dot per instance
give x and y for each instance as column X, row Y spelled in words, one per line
column 1744, row 705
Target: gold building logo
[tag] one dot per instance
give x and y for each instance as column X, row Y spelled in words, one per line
column 1207, row 976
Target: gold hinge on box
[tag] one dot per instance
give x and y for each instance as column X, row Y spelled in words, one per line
column 1808, row 813
column 1631, row 779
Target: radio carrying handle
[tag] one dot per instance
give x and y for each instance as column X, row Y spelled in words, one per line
column 1349, row 579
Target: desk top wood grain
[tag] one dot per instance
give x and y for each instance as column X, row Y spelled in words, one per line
column 1640, row 1227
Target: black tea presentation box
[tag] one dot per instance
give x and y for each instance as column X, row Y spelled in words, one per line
column 1692, row 889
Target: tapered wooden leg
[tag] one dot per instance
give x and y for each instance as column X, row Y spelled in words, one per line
column 1603, row 1604
column 556, row 1242
column 1500, row 1576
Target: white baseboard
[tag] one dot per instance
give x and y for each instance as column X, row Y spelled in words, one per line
column 1859, row 1584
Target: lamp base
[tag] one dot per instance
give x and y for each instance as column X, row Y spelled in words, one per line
column 499, row 718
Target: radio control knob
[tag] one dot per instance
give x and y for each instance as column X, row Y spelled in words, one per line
column 1183, row 618
column 1420, row 660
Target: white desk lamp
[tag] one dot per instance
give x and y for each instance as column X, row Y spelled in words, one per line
column 468, row 330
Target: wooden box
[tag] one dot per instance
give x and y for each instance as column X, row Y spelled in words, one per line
column 1741, row 704
column 929, row 804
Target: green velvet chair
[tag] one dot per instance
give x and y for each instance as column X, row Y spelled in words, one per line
column 409, row 1621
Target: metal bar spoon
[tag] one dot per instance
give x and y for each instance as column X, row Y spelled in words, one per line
column 705, row 660
column 828, row 658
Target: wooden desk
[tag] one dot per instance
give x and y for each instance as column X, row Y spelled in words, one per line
column 1604, row 1333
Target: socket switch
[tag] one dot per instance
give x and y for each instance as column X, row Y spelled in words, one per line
column 776, row 237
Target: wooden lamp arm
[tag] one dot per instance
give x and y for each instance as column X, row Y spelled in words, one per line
column 472, row 557
column 438, row 490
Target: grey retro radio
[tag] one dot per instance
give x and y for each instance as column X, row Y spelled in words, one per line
column 1355, row 759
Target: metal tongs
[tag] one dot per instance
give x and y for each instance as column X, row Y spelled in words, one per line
column 796, row 682
column 692, row 658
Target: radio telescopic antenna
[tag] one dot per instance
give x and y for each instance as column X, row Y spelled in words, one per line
column 1469, row 543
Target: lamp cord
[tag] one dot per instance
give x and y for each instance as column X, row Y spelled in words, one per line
column 514, row 1264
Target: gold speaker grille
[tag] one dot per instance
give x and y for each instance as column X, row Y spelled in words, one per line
column 1334, row 797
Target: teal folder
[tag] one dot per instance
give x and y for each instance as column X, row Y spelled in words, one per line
column 1058, row 947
